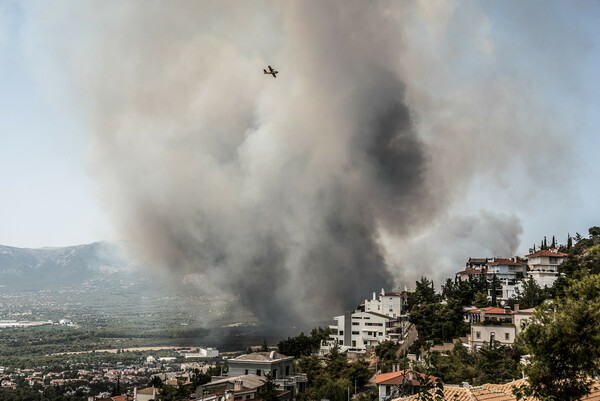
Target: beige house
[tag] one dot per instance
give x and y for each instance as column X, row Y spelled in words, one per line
column 543, row 266
column 499, row 324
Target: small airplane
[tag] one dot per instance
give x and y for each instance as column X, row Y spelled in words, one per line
column 272, row 72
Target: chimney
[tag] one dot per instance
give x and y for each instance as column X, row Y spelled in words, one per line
column 383, row 292
column 374, row 296
column 238, row 385
column 507, row 310
column 135, row 393
column 516, row 308
column 482, row 314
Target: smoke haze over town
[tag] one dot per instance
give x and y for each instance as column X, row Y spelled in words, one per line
column 398, row 139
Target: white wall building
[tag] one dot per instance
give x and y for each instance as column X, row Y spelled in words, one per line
column 358, row 331
column 506, row 269
column 543, row 266
column 391, row 304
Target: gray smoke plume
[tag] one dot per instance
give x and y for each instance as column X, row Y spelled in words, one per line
column 294, row 193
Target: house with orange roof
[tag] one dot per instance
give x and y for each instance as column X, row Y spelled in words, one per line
column 495, row 324
column 543, row 266
column 403, row 382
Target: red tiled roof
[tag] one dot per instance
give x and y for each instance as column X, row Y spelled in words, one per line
column 507, row 262
column 400, row 377
column 545, row 252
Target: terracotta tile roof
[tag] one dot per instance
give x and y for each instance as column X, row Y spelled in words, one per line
column 495, row 392
column 545, row 252
column 149, row 390
column 399, row 377
column 506, row 262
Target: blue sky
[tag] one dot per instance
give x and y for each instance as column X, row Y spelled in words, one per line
column 47, row 197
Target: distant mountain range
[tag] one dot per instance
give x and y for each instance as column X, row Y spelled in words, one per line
column 47, row 268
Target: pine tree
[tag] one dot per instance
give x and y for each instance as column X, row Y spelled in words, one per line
column 553, row 242
column 569, row 242
column 545, row 243
column 265, row 346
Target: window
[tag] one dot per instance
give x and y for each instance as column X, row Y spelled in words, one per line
column 287, row 370
column 246, row 372
column 355, row 323
column 355, row 333
column 341, row 332
column 506, row 336
column 341, row 342
column 478, row 335
column 391, row 304
column 274, row 373
column 378, row 307
column 258, row 372
column 380, row 333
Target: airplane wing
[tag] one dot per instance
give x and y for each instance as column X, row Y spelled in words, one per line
column 270, row 68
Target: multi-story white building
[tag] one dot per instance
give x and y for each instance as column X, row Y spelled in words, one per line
column 391, row 304
column 506, row 269
column 357, row 331
column 543, row 266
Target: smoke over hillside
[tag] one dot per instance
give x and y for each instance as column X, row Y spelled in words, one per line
column 304, row 193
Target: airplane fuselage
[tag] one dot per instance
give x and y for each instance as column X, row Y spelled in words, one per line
column 271, row 72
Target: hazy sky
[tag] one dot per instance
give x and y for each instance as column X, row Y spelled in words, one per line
column 47, row 197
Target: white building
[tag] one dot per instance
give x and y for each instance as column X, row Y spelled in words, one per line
column 506, row 269
column 209, row 352
column 391, row 304
column 543, row 266
column 358, row 331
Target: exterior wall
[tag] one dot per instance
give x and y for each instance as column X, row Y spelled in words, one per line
column 393, row 305
column 383, row 392
column 545, row 262
column 260, row 368
column 361, row 330
column 520, row 318
column 483, row 333
column 506, row 272
column 543, row 278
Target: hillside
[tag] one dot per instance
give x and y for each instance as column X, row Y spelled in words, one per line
column 46, row 268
